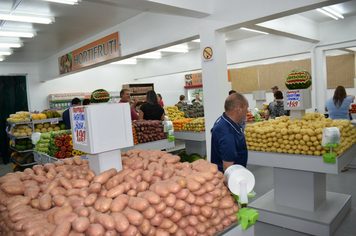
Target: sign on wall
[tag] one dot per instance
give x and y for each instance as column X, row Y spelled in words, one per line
column 194, row 80
column 98, row 51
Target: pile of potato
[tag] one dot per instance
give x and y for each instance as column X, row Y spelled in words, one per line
column 298, row 136
column 154, row 194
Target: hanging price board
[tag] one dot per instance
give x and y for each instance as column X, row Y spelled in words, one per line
column 293, row 98
column 79, row 129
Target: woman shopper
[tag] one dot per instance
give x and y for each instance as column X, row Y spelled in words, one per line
column 151, row 110
column 159, row 97
column 338, row 106
column 276, row 108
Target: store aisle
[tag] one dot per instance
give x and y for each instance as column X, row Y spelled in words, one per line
column 341, row 183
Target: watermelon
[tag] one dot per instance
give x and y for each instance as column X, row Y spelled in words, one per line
column 100, row 95
column 298, row 79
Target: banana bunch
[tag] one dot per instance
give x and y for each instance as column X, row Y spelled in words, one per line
column 174, row 113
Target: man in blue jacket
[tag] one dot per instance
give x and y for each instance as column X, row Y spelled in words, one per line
column 228, row 144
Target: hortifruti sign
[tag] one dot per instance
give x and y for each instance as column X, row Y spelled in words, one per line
column 98, row 51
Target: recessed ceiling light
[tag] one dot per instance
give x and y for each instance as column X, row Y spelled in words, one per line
column 129, row 61
column 150, row 55
column 16, row 34
column 327, row 13
column 10, row 45
column 69, row 2
column 252, row 30
column 1, row 58
column 196, row 40
column 5, row 53
column 30, row 19
column 183, row 48
column 335, row 13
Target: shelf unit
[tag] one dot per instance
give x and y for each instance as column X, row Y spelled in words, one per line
column 299, row 200
column 194, row 142
column 139, row 90
column 155, row 145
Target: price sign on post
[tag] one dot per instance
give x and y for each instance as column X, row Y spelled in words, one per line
column 79, row 128
column 293, row 98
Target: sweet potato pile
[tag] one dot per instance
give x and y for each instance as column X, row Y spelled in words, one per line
column 154, row 194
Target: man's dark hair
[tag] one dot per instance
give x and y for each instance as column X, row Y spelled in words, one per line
column 232, row 91
column 76, row 101
column 123, row 91
column 278, row 95
column 86, row 102
column 233, row 101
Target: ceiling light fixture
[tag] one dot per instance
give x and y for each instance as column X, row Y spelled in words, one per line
column 30, row 19
column 129, row 61
column 10, row 45
column 150, row 55
column 16, row 34
column 352, row 49
column 5, row 53
column 335, row 13
column 69, row 2
column 196, row 40
column 183, row 48
column 327, row 13
column 252, row 30
column 1, row 58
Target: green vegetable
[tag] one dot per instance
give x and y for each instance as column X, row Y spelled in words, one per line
column 46, row 135
column 44, row 150
column 43, row 145
column 298, row 79
column 44, row 140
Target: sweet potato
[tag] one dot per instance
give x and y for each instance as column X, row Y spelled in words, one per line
column 107, row 221
column 35, row 228
column 121, row 222
column 147, row 176
column 133, row 183
column 18, row 225
column 72, row 192
column 81, row 211
column 138, row 203
column 134, row 217
column 115, row 191
column 114, row 181
column 32, row 192
column 18, row 202
column 57, row 191
column 65, row 183
column 105, row 205
column 13, row 188
column 149, row 213
column 161, row 189
column 47, row 230
column 80, row 183
column 142, row 186
column 105, row 176
column 95, row 188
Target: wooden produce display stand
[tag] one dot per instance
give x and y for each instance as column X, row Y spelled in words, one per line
column 299, row 200
column 194, row 142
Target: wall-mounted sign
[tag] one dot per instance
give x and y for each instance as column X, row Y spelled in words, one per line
column 98, row 51
column 193, row 80
column 208, row 54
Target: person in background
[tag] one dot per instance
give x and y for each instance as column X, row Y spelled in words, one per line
column 338, row 106
column 232, row 91
column 86, row 102
column 138, row 106
column 66, row 119
column 276, row 108
column 151, row 110
column 274, row 89
column 159, row 97
column 181, row 99
column 197, row 99
column 125, row 97
column 228, row 144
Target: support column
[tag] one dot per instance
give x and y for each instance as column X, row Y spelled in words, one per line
column 215, row 78
column 319, row 93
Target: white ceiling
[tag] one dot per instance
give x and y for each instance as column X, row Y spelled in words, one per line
column 74, row 24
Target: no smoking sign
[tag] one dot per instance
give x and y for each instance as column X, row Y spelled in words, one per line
column 207, row 53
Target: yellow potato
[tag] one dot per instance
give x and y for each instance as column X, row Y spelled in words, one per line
column 306, row 137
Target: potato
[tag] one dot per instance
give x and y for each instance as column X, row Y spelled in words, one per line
column 57, row 191
column 193, row 185
column 191, row 198
column 173, row 186
column 145, row 227
column 187, row 209
column 80, row 183
column 105, row 176
column 113, row 182
column 131, row 230
column 200, row 201
column 167, row 173
column 151, row 197
column 168, row 212
column 226, row 202
column 157, row 219
column 177, row 216
column 18, row 202
column 138, row 204
column 32, row 192
column 90, row 200
column 95, row 188
column 161, row 189
column 98, row 202
column 95, row 229
column 65, row 183
column 58, row 200
column 142, row 186
column 132, row 193
column 134, row 217
column 180, row 232
column 70, row 217
column 147, row 176
column 78, row 160
column 170, row 200
column 107, row 221
column 149, row 213
column 13, row 188
column 72, row 192
column 77, row 202
column 81, row 211
column 35, row 228
column 202, row 218
column 47, row 230
column 115, row 191
column 18, row 225
column 195, row 210
column 61, row 210
column 119, row 203
column 133, row 183
column 105, row 205
column 121, row 222
column 30, row 223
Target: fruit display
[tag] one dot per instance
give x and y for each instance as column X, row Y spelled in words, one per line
column 21, row 131
column 180, row 123
column 262, row 113
column 47, row 114
column 192, row 111
column 154, row 194
column 353, row 108
column 134, row 135
column 47, row 127
column 298, row 136
column 249, row 117
column 21, row 144
column 100, row 95
column 173, row 113
column 52, row 143
column 196, row 125
column 22, row 158
column 148, row 130
column 19, row 117
column 298, row 79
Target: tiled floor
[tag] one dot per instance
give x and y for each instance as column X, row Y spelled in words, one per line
column 344, row 182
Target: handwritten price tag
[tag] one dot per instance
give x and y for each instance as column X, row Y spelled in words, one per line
column 54, row 121
column 293, row 103
column 293, row 98
column 79, row 127
column 81, row 137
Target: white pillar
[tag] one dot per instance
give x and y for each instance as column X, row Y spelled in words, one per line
column 319, row 95
column 215, row 79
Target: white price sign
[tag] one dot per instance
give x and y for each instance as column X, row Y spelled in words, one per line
column 79, row 128
column 54, row 121
column 293, row 98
